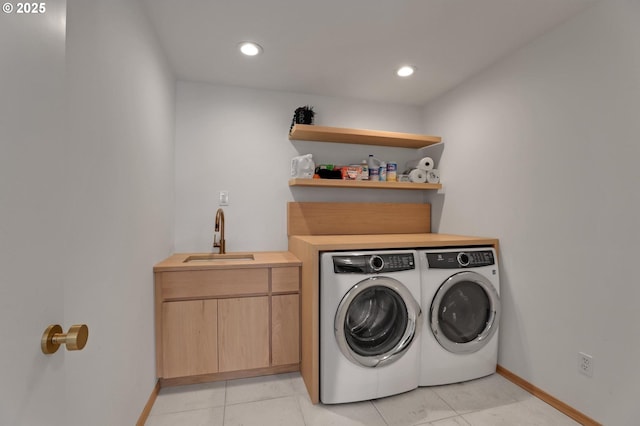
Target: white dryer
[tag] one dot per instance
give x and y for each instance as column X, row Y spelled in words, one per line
column 370, row 321
column 461, row 301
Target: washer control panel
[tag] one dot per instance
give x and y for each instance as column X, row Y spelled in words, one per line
column 460, row 259
column 373, row 263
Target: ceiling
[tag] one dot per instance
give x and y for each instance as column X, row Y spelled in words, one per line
column 349, row 48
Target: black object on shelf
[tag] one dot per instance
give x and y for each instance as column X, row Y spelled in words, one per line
column 328, row 173
column 302, row 115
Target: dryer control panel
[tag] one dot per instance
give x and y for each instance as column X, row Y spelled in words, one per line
column 373, row 263
column 460, row 259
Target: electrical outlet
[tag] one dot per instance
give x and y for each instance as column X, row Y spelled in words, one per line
column 224, row 198
column 585, row 364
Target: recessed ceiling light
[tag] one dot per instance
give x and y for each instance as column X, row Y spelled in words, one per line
column 250, row 48
column 405, row 71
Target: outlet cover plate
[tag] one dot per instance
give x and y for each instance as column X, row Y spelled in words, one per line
column 585, row 364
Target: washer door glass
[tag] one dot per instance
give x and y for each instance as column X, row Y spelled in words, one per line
column 465, row 312
column 376, row 321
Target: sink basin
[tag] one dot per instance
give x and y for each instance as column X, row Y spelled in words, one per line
column 214, row 257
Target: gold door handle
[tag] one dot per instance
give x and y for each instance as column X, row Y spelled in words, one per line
column 53, row 337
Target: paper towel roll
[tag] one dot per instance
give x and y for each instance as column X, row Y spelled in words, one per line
column 418, row 176
column 425, row 163
column 433, row 176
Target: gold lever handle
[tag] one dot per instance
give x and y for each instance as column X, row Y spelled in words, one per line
column 75, row 339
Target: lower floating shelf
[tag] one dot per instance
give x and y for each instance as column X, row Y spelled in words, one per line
column 363, row 184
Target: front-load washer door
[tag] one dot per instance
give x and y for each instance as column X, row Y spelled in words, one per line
column 465, row 312
column 376, row 322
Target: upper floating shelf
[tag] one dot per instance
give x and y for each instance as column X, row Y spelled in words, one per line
column 361, row 137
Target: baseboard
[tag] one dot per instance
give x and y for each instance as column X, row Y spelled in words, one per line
column 147, row 408
column 551, row 400
column 230, row 375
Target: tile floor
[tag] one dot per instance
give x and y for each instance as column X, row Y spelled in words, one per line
column 283, row 400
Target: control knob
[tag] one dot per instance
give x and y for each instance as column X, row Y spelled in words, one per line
column 376, row 263
column 463, row 259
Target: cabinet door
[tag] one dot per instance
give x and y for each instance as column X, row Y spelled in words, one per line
column 243, row 333
column 189, row 338
column 285, row 323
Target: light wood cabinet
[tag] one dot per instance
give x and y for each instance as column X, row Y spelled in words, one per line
column 286, row 279
column 285, row 327
column 217, row 324
column 243, row 333
column 188, row 327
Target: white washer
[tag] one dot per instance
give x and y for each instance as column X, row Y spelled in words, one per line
column 370, row 321
column 461, row 302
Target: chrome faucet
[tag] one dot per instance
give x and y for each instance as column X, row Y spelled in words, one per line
column 219, row 228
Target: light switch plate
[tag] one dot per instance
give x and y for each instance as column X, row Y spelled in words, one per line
column 224, row 198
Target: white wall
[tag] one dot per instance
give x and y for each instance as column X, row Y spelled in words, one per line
column 541, row 151
column 236, row 139
column 121, row 97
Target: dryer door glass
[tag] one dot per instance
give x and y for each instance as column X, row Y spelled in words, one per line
column 465, row 312
column 376, row 321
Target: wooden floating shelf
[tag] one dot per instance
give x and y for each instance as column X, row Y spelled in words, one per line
column 362, row 184
column 361, row 137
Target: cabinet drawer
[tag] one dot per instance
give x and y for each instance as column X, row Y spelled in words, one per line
column 285, row 279
column 214, row 283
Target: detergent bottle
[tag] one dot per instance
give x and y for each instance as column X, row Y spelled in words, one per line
column 383, row 171
column 374, row 168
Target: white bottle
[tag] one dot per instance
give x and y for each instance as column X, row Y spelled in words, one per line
column 365, row 170
column 374, row 168
column 383, row 171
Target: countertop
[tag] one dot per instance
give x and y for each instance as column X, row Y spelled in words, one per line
column 387, row 241
column 262, row 259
